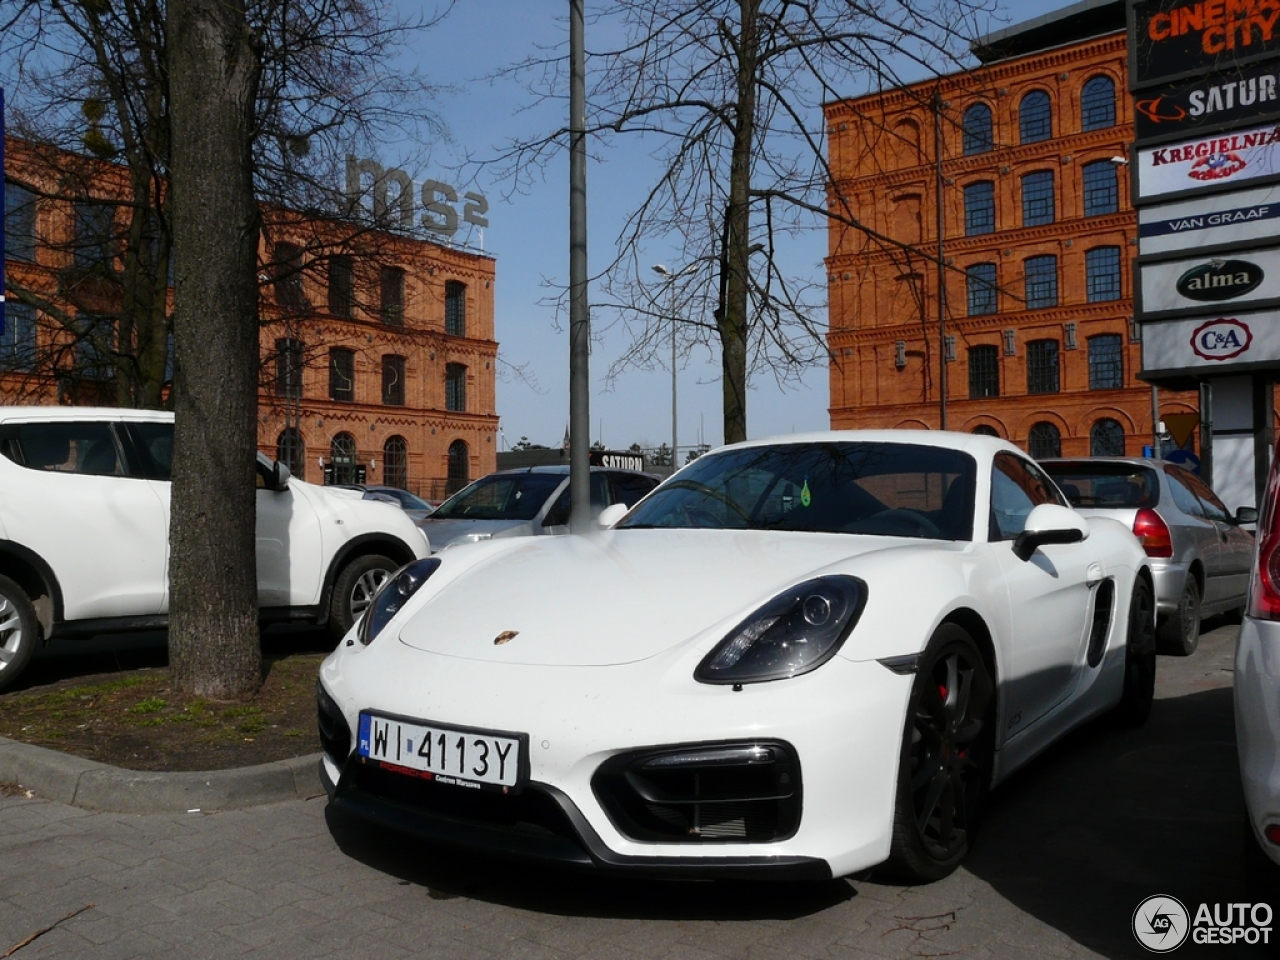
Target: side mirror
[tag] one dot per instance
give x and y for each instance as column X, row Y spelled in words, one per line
column 1049, row 523
column 1245, row 515
column 610, row 515
column 279, row 476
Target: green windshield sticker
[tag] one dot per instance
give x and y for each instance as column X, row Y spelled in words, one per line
column 805, row 496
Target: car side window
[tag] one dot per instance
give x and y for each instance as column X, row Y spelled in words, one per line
column 153, row 445
column 1214, row 508
column 630, row 488
column 1017, row 488
column 1183, row 498
column 69, row 447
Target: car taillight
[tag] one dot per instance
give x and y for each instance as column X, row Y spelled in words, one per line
column 1264, row 586
column 1153, row 533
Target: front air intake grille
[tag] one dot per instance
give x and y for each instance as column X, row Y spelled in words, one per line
column 708, row 793
column 335, row 735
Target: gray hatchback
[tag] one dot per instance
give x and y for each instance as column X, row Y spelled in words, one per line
column 1199, row 555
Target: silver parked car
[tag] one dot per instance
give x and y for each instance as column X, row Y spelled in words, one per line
column 1199, row 555
column 528, row 501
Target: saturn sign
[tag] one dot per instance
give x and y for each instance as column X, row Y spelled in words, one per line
column 1221, row 339
column 1220, row 280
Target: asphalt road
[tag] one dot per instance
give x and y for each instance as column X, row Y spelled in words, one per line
column 1072, row 845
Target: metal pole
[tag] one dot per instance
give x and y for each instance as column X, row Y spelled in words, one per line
column 942, row 268
column 579, row 316
column 675, row 463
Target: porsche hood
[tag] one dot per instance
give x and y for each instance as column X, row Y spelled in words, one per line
column 617, row 598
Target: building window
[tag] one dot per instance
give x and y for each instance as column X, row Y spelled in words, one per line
column 342, row 458
column 19, row 223
column 455, row 308
column 1106, row 362
column 1102, row 274
column 1106, row 439
column 342, row 286
column 979, row 208
column 977, row 130
column 980, row 285
column 1035, row 117
column 286, row 265
column 18, row 340
column 1042, row 366
column 455, row 387
column 1101, row 188
column 392, row 303
column 393, row 381
column 1037, row 198
column 459, row 467
column 1042, row 281
column 982, row 430
column 95, row 348
column 1044, row 441
column 289, row 368
column 95, row 233
column 395, row 463
column 292, row 451
column 984, row 372
column 1098, row 104
column 342, row 374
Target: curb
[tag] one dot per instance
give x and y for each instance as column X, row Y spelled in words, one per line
column 90, row 785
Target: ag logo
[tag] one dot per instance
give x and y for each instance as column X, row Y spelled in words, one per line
column 1161, row 924
column 1221, row 339
column 1220, row 280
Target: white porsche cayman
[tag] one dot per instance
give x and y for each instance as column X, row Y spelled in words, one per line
column 797, row 657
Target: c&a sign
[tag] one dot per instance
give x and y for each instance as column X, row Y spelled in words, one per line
column 1184, row 37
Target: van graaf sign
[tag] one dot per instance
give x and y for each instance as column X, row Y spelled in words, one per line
column 1216, row 343
column 1225, row 159
column 1171, row 38
column 1240, row 217
column 1204, row 284
column 392, row 191
column 1243, row 96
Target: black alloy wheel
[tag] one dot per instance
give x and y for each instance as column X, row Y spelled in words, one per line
column 1179, row 634
column 945, row 767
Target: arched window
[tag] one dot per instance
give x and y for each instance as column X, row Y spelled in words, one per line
column 1035, row 117
column 459, row 466
column 1106, row 439
column 1098, row 103
column 291, row 450
column 395, row 462
column 455, row 308
column 1044, row 441
column 983, row 430
column 342, row 456
column 977, row 129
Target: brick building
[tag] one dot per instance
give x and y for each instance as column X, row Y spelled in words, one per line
column 1024, row 162
column 378, row 351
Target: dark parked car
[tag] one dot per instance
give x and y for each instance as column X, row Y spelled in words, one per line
column 1199, row 555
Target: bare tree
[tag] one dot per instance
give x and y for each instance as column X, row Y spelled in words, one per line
column 726, row 95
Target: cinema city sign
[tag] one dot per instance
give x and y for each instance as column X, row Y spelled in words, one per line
column 439, row 200
column 1172, row 38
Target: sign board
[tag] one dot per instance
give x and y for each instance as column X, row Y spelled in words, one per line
column 1181, row 426
column 392, row 191
column 1239, row 217
column 2, row 204
column 1171, row 38
column 1207, row 284
column 1217, row 344
column 1239, row 97
column 1221, row 160
column 616, row 459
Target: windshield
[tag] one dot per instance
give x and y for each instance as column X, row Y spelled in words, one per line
column 890, row 489
column 501, row 496
column 1097, row 484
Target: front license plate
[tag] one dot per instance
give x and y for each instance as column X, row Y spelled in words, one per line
column 479, row 759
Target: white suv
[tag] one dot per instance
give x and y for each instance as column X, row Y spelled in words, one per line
column 84, row 533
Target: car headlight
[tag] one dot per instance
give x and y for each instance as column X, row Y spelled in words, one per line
column 797, row 631
column 392, row 596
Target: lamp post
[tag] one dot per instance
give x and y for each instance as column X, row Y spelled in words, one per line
column 670, row 278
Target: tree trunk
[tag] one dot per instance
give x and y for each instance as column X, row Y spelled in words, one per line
column 213, row 71
column 734, row 322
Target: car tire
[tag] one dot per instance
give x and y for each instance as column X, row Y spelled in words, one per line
column 19, row 631
column 1179, row 634
column 354, row 588
column 1139, row 658
column 945, row 765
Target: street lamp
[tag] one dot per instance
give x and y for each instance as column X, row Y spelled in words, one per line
column 670, row 278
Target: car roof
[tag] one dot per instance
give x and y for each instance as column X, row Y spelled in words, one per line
column 1126, row 461
column 976, row 444
column 83, row 413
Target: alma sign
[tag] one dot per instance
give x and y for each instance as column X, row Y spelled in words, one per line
column 1195, row 285
column 438, row 200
